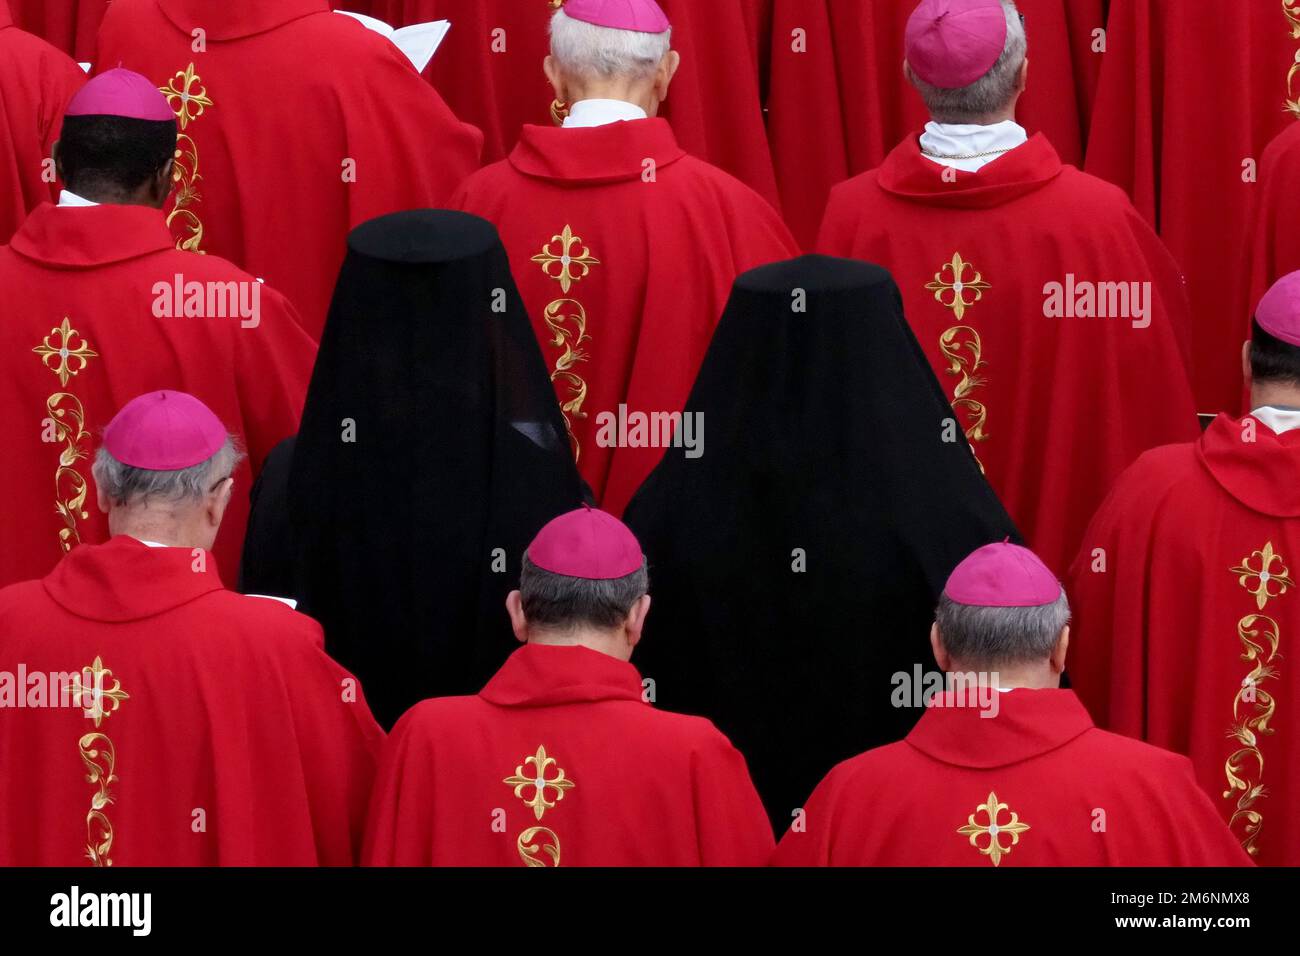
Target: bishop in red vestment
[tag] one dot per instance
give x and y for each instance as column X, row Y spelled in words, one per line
column 1050, row 311
column 296, row 125
column 150, row 717
column 36, row 82
column 1187, row 598
column 102, row 306
column 1191, row 92
column 561, row 760
column 1005, row 768
column 489, row 69
column 839, row 101
column 624, row 246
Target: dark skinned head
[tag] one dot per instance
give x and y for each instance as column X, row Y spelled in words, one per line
column 115, row 160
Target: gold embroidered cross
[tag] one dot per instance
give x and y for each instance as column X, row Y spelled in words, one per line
column 565, row 258
column 1264, row 575
column 958, row 287
column 182, row 98
column 539, row 782
column 67, row 351
column 995, row 849
column 90, row 697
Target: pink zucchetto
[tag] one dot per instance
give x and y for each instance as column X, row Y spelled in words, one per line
column 164, row 431
column 1003, row 575
column 1278, row 313
column 120, row 93
column 952, row 43
column 586, row 544
column 642, row 16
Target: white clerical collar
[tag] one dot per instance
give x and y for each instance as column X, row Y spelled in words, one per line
column 69, row 198
column 1278, row 419
column 970, row 147
column 150, row 544
column 585, row 113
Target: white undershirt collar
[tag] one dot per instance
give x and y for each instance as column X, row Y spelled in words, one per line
column 69, row 198
column 964, row 139
column 1278, row 420
column 587, row 113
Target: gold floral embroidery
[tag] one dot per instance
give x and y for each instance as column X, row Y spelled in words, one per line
column 188, row 103
column 64, row 410
column 572, row 268
column 1253, row 706
column 529, row 850
column 958, row 287
column 89, row 692
column 1291, row 9
column 567, row 320
column 961, row 345
column 995, row 849
column 539, row 782
column 1264, row 576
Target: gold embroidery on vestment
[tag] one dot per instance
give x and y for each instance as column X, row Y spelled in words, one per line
column 995, row 849
column 188, row 103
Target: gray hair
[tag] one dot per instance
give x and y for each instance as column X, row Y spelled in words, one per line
column 125, row 484
column 991, row 92
column 986, row 637
column 588, row 50
column 563, row 603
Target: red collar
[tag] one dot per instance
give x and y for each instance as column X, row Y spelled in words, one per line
column 1261, row 474
column 126, row 580
column 541, row 675
column 909, row 175
column 83, row 237
column 1028, row 723
column 612, row 153
column 233, row 19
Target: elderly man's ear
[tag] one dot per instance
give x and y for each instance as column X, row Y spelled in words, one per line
column 665, row 73
column 634, row 623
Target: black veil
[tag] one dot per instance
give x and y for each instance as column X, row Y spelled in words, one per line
column 824, row 432
column 431, row 451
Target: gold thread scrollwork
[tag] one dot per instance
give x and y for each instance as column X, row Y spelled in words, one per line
column 1253, row 706
column 567, row 321
column 188, row 99
column 64, row 409
column 1291, row 10
column 992, row 809
column 90, row 691
column 961, row 345
column 531, row 852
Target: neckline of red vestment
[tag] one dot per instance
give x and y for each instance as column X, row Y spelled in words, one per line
column 234, row 19
column 1028, row 723
column 83, row 237
column 543, row 675
column 616, row 152
column 126, row 580
column 1260, row 472
column 908, row 174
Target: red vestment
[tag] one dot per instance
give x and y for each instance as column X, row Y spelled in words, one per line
column 618, row 783
column 69, row 25
column 1188, row 96
column 839, row 100
column 1060, row 792
column 625, row 249
column 1179, row 639
column 296, row 125
column 36, row 82
column 83, row 279
column 497, row 83
column 1275, row 250
column 1055, row 407
column 214, row 729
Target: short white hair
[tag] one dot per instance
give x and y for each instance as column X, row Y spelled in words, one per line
column 992, row 91
column 588, row 50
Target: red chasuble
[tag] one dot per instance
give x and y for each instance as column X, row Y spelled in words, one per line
column 496, row 81
column 839, row 100
column 1190, row 92
column 1023, row 283
column 68, row 24
column 198, row 727
column 1035, row 785
column 1186, row 616
column 1275, row 251
column 625, row 249
column 95, row 319
column 559, row 762
column 296, row 125
column 36, row 82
